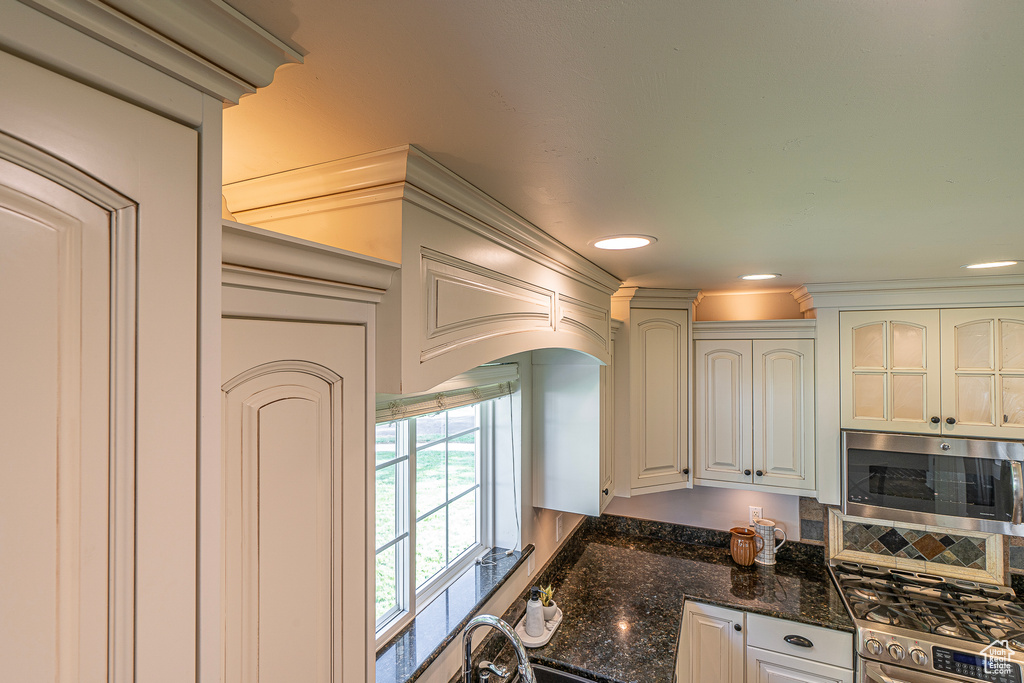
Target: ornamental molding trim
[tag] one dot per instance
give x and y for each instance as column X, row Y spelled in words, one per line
column 755, row 329
column 253, row 250
column 205, row 44
column 648, row 297
column 991, row 290
column 373, row 177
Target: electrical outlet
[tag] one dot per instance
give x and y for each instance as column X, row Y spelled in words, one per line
column 755, row 513
column 559, row 529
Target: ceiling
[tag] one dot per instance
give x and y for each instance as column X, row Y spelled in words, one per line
column 828, row 141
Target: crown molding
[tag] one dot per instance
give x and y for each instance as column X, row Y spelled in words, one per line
column 425, row 183
column 205, row 44
column 254, row 249
column 649, row 297
column 991, row 290
column 755, row 329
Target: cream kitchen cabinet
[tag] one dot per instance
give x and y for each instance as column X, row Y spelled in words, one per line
column 297, row 343
column 573, row 467
column 781, row 651
column 658, row 399
column 950, row 371
column 722, row 645
column 754, row 410
column 710, row 645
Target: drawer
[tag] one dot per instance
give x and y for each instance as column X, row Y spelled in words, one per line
column 827, row 646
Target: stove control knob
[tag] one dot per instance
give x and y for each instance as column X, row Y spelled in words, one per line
column 919, row 657
column 873, row 646
column 897, row 652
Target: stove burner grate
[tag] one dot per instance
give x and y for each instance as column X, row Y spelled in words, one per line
column 931, row 604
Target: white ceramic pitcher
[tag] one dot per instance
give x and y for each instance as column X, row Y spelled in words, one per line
column 767, row 530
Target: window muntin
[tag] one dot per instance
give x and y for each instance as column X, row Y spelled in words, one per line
column 446, row 494
column 392, row 527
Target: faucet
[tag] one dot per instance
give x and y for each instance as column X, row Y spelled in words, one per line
column 525, row 671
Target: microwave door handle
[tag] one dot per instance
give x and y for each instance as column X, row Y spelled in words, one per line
column 1018, row 492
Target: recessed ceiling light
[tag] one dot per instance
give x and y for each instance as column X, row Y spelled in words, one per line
column 623, row 242
column 991, row 264
column 761, row 276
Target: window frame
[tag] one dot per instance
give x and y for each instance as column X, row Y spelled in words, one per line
column 410, row 600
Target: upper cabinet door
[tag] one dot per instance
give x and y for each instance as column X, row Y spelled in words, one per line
column 98, row 299
column 983, row 372
column 658, row 362
column 608, row 431
column 723, row 450
column 890, row 370
column 294, row 461
column 783, row 380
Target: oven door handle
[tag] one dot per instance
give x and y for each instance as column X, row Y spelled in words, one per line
column 882, row 677
column 1018, row 492
column 873, row 674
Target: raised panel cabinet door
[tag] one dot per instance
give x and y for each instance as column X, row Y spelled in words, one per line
column 783, row 376
column 295, row 519
column 983, row 372
column 710, row 645
column 608, row 431
column 765, row 666
column 54, row 490
column 889, row 370
column 658, row 406
column 723, row 425
column 98, row 228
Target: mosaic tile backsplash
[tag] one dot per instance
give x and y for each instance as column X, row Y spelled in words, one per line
column 814, row 530
column 913, row 544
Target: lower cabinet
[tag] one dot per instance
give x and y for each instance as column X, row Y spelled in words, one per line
column 719, row 644
column 765, row 666
column 710, row 645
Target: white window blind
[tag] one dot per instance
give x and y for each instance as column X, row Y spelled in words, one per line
column 479, row 384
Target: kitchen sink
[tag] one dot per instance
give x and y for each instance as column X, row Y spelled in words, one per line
column 547, row 675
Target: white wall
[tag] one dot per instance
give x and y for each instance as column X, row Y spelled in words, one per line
column 711, row 508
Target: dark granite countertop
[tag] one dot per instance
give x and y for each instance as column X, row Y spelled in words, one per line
column 621, row 585
column 408, row 654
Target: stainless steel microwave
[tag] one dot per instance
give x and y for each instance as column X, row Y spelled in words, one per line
column 962, row 483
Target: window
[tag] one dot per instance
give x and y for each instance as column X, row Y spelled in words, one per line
column 433, row 490
column 444, row 451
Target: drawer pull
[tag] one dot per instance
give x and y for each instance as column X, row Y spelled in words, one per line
column 799, row 641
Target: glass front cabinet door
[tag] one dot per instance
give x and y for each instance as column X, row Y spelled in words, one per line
column 951, row 371
column 983, row 372
column 890, row 370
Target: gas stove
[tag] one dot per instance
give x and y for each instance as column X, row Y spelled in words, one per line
column 922, row 627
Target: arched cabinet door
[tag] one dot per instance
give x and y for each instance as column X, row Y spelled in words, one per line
column 98, row 225
column 658, row 399
column 57, row 376
column 288, row 495
column 723, row 427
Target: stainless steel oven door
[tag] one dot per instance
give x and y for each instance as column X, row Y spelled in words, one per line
column 961, row 483
column 875, row 672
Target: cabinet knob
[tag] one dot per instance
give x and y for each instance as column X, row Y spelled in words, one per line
column 935, row 420
column 746, row 472
column 737, row 627
column 605, row 492
column 951, row 420
column 759, row 473
column 686, row 470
